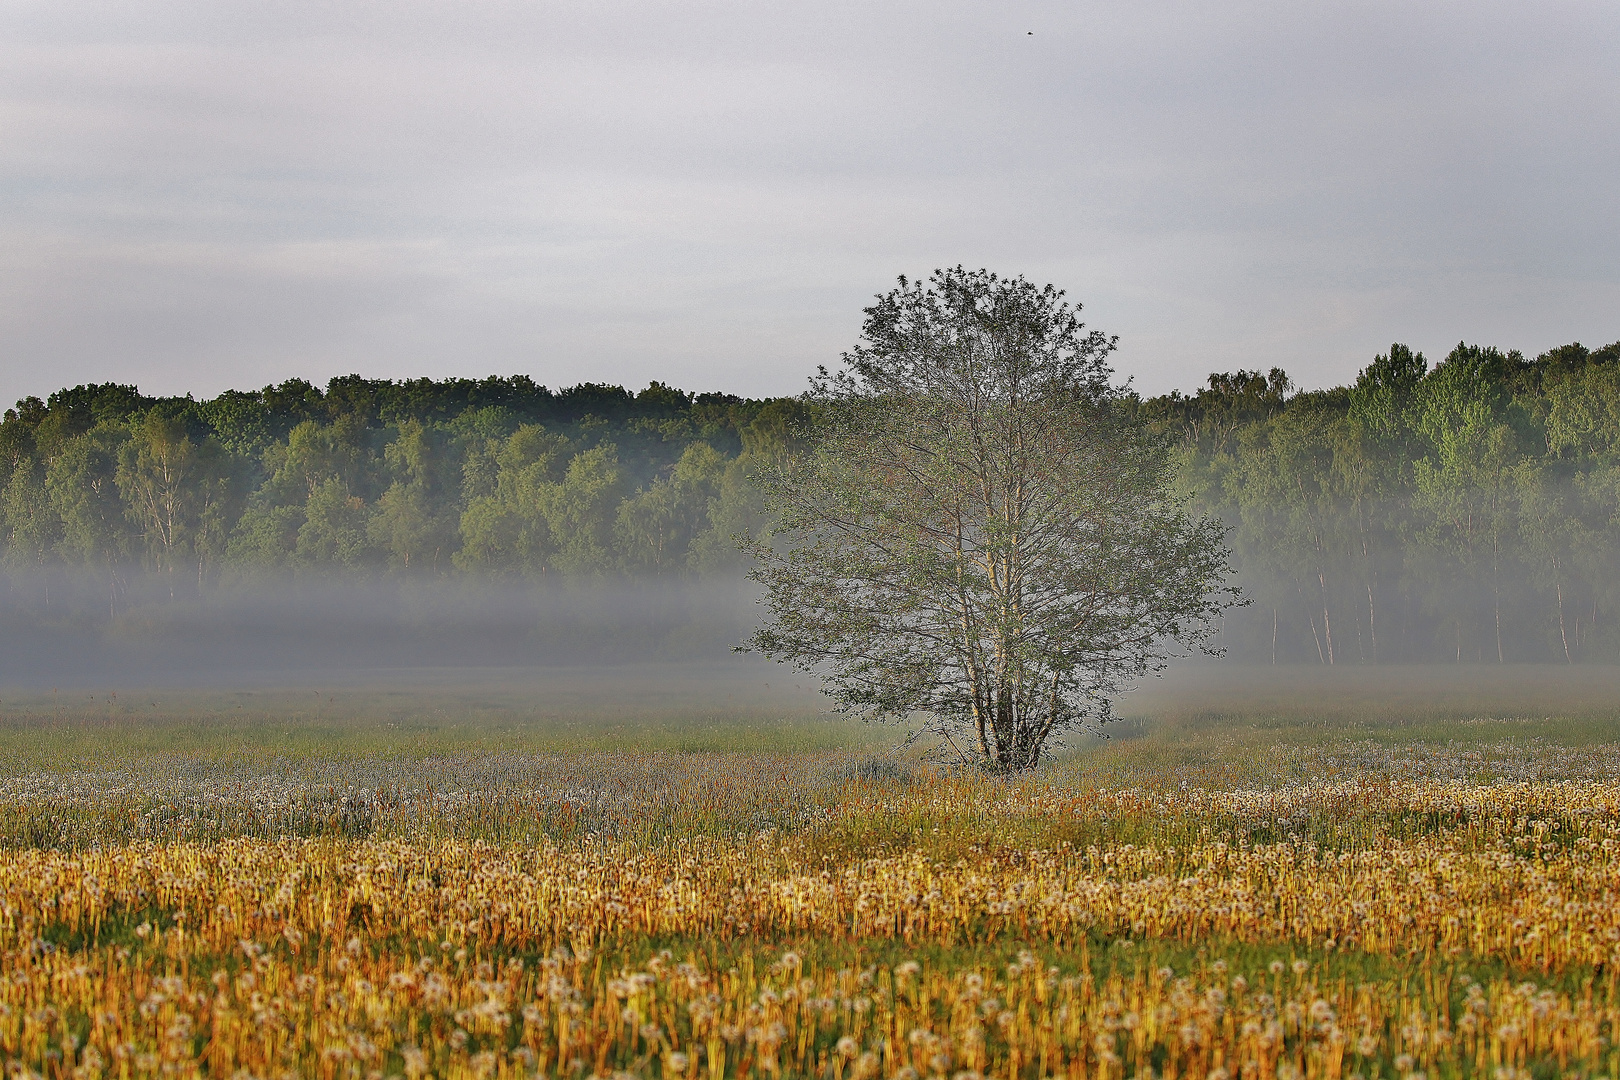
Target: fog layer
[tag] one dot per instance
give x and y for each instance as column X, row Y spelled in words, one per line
column 91, row 630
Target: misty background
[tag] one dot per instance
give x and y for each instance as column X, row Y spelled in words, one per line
column 1465, row 511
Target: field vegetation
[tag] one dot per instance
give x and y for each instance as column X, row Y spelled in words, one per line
column 1255, row 877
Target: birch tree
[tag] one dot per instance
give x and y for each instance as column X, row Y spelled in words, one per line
column 981, row 539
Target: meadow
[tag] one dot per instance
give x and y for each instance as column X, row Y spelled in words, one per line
column 679, row 872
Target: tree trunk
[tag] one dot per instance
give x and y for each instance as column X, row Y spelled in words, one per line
column 1372, row 621
column 1327, row 625
column 1496, row 594
column 1370, row 579
column 1558, row 587
column 1499, row 658
column 1006, row 739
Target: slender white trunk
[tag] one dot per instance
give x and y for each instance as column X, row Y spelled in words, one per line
column 1563, row 635
column 1372, row 622
column 1327, row 625
column 1496, row 594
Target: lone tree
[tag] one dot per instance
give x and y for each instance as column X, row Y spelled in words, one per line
column 981, row 534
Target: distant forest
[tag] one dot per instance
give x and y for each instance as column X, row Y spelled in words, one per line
column 1468, row 511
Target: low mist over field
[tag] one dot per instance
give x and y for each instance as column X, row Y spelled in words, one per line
column 606, row 646
column 82, row 635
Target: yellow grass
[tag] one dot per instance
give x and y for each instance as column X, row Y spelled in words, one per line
column 1441, row 911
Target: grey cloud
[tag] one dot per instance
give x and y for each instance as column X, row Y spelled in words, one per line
column 195, row 196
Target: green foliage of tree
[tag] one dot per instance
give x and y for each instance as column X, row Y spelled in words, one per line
column 736, row 509
column 580, row 512
column 1291, row 506
column 981, row 534
column 177, row 491
column 81, row 481
column 1582, row 415
column 1424, row 513
column 507, row 484
column 655, row 527
column 33, row 529
column 265, row 539
column 334, row 533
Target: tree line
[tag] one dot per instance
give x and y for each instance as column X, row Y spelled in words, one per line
column 371, row 476
column 1466, row 510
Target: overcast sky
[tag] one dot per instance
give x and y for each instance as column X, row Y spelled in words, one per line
column 196, row 196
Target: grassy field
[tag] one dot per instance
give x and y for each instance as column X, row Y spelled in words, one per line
column 667, row 872
column 689, row 708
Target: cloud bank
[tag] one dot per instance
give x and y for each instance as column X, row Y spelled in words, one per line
column 200, row 196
